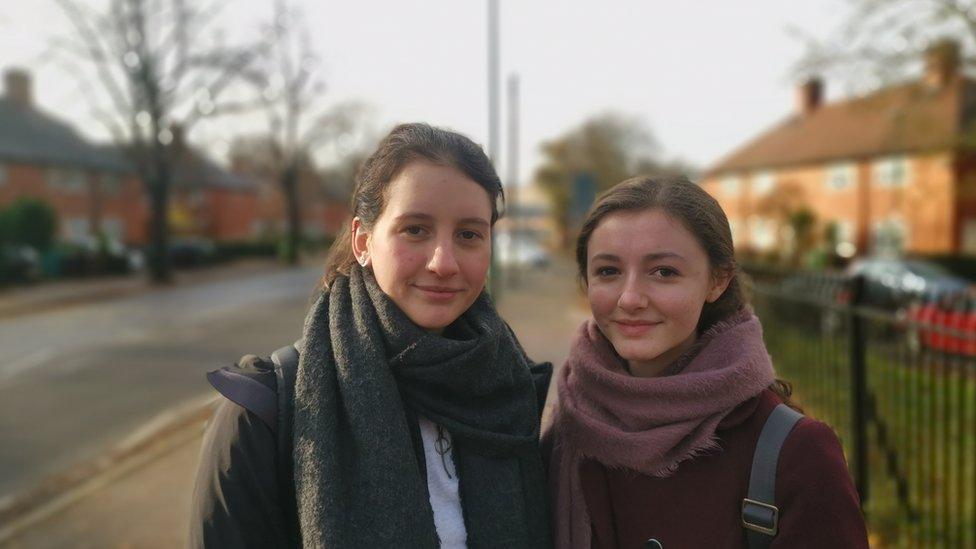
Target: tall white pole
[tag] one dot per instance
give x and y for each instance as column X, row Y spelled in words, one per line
column 513, row 175
column 493, row 138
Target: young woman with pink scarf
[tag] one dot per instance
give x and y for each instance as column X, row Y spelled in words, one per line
column 667, row 388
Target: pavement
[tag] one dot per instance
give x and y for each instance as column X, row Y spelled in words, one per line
column 46, row 296
column 137, row 493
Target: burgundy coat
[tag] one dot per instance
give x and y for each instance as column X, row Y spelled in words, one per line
column 699, row 506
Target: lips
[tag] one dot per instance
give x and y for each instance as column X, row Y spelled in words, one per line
column 634, row 328
column 438, row 293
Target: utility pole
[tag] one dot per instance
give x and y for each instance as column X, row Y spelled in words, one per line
column 494, row 275
column 513, row 178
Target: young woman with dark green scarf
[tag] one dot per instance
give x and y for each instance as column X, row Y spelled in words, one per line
column 415, row 410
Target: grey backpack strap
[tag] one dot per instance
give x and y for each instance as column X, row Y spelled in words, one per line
column 760, row 516
column 286, row 369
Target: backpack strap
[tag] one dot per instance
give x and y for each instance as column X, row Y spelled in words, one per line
column 247, row 392
column 760, row 516
column 285, row 360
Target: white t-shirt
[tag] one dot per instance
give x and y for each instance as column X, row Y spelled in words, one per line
column 442, row 483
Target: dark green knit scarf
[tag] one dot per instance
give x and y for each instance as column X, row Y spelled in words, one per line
column 366, row 372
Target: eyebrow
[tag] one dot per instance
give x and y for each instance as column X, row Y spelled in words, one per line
column 648, row 257
column 428, row 217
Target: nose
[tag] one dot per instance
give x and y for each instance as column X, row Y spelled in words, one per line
column 632, row 297
column 442, row 262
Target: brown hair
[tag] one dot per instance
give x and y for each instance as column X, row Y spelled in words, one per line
column 704, row 218
column 404, row 144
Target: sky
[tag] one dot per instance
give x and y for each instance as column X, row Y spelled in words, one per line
column 704, row 76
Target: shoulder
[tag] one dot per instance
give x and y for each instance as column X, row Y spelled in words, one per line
column 814, row 490
column 813, row 446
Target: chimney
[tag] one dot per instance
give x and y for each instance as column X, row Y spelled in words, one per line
column 17, row 86
column 809, row 96
column 941, row 63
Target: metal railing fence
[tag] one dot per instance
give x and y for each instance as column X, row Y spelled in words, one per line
column 896, row 379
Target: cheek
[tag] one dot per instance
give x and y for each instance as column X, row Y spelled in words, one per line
column 475, row 265
column 602, row 298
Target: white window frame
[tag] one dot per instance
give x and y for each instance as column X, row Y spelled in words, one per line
column 76, row 230
column 840, row 176
column 113, row 228
column 70, row 180
column 763, row 183
column 762, row 233
column 731, row 184
column 899, row 228
column 892, row 171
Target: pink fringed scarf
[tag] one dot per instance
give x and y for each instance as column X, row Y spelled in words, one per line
column 648, row 425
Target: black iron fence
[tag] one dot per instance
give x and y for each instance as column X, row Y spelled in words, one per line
column 895, row 374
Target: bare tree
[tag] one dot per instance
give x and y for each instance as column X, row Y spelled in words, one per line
column 606, row 149
column 881, row 41
column 146, row 68
column 290, row 83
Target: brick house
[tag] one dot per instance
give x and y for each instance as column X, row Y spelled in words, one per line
column 208, row 201
column 93, row 189
column 323, row 196
column 894, row 170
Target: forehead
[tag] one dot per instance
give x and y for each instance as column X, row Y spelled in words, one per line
column 433, row 189
column 628, row 234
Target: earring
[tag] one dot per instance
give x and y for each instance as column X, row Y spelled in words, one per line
column 362, row 261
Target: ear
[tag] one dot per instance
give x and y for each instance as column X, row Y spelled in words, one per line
column 360, row 241
column 720, row 283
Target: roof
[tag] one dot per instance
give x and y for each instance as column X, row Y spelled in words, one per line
column 904, row 118
column 29, row 135
column 194, row 170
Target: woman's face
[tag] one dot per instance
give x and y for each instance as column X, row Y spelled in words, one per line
column 647, row 281
column 431, row 247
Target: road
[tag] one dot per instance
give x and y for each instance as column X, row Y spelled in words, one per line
column 74, row 381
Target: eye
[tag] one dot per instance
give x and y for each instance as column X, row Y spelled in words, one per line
column 606, row 271
column 665, row 272
column 469, row 235
column 414, row 230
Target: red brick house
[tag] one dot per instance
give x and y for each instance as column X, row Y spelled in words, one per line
column 323, row 202
column 893, row 170
column 93, row 189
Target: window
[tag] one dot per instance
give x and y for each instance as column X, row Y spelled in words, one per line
column 66, row 180
column 730, row 184
column 762, row 183
column 891, row 171
column 762, row 232
column 841, row 175
column 113, row 229
column 76, row 230
column 969, row 236
column 890, row 236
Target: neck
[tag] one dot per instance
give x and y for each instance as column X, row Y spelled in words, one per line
column 655, row 366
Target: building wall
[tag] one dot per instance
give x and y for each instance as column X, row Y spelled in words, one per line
column 925, row 205
column 84, row 201
column 232, row 213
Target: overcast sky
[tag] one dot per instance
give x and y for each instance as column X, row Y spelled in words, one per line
column 704, row 75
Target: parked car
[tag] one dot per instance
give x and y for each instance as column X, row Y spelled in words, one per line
column 526, row 252
column 19, row 264
column 933, row 305
column 890, row 283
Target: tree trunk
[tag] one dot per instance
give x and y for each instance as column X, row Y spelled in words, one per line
column 293, row 238
column 160, row 271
